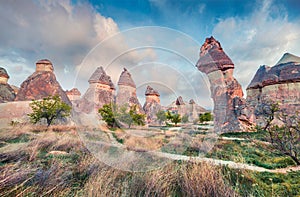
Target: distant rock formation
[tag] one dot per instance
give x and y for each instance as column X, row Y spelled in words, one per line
column 127, row 91
column 230, row 114
column 191, row 108
column 41, row 83
column 280, row 83
column 100, row 92
column 73, row 94
column 7, row 93
column 152, row 104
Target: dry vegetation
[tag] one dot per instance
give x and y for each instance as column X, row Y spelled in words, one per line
column 35, row 161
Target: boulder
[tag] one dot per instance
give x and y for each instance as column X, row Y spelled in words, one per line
column 42, row 83
column 229, row 115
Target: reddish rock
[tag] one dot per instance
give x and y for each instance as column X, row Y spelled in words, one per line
column 152, row 105
column 229, row 106
column 73, row 94
column 42, row 83
column 212, row 57
column 6, row 91
column 279, row 84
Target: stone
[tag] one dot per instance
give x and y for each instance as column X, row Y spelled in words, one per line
column 100, row 92
column 42, row 83
column 229, row 105
column 7, row 93
column 127, row 91
column 277, row 84
column 73, row 94
column 152, row 105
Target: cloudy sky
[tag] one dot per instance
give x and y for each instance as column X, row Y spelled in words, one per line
column 157, row 40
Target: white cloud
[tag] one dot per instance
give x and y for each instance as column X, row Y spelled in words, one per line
column 58, row 30
column 258, row 39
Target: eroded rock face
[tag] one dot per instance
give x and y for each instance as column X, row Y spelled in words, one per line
column 280, row 83
column 100, row 92
column 73, row 94
column 7, row 93
column 42, row 83
column 152, row 104
column 230, row 114
column 127, row 91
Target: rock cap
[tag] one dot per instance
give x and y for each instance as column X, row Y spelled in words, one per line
column 125, row 79
column 179, row 101
column 151, row 91
column 212, row 57
column 192, row 101
column 100, row 76
column 3, row 73
column 44, row 65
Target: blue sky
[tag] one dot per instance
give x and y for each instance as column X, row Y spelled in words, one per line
column 157, row 40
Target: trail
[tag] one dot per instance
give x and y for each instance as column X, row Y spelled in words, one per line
column 213, row 161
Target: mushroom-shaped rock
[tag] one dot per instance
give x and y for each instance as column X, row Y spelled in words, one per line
column 280, row 84
column 152, row 104
column 41, row 84
column 127, row 91
column 212, row 57
column 99, row 93
column 3, row 76
column 224, row 87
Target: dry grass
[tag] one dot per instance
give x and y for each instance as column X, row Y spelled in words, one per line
column 187, row 179
column 142, row 143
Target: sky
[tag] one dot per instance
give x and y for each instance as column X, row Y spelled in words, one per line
column 158, row 41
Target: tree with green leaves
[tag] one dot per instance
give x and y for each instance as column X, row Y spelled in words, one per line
column 207, row 116
column 130, row 117
column 161, row 116
column 49, row 108
column 176, row 119
column 108, row 114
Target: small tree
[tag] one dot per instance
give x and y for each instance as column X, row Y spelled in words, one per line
column 284, row 138
column 108, row 114
column 207, row 116
column 161, row 116
column 185, row 118
column 49, row 108
column 131, row 117
column 176, row 119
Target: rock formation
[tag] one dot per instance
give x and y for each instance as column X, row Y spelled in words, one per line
column 73, row 94
column 127, row 91
column 152, row 104
column 191, row 108
column 41, row 83
column 230, row 114
column 6, row 91
column 100, row 92
column 280, row 83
